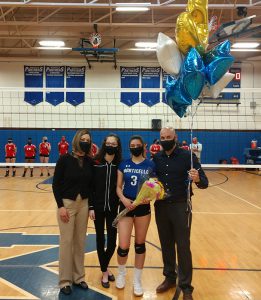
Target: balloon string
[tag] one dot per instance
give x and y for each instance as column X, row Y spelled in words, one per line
column 191, row 125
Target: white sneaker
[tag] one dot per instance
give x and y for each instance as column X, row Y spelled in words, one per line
column 137, row 288
column 120, row 280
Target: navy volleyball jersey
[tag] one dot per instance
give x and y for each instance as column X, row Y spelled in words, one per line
column 134, row 175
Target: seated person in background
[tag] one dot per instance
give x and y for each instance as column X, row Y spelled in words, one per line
column 222, row 161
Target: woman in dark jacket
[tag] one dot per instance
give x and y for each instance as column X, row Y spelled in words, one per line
column 105, row 202
column 72, row 188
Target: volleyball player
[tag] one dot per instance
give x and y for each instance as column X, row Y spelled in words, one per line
column 30, row 153
column 63, row 146
column 44, row 152
column 10, row 155
column 130, row 175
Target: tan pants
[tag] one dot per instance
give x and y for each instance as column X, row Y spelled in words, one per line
column 72, row 242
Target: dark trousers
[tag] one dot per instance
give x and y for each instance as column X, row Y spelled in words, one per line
column 100, row 219
column 172, row 222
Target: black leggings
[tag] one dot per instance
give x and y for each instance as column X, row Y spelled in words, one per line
column 105, row 255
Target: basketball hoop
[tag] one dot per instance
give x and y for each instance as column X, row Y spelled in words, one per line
column 213, row 24
column 95, row 39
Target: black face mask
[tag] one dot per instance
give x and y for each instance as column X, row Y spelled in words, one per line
column 136, row 151
column 9, row 142
column 111, row 150
column 45, row 141
column 29, row 143
column 85, row 147
column 168, row 144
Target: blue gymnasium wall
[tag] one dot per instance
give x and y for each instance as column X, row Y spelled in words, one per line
column 216, row 144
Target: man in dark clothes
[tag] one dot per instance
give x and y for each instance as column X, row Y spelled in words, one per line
column 173, row 214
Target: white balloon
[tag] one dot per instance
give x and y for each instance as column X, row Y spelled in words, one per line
column 168, row 54
column 213, row 91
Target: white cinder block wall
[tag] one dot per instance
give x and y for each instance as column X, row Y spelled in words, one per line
column 102, row 107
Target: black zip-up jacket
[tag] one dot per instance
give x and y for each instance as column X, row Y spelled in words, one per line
column 104, row 186
column 172, row 171
column 70, row 179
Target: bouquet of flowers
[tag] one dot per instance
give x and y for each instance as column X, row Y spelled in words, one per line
column 151, row 189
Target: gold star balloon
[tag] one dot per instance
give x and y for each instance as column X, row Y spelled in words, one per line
column 192, row 26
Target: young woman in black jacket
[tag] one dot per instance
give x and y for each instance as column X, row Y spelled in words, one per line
column 104, row 206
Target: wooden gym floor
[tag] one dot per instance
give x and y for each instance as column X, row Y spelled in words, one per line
column 226, row 239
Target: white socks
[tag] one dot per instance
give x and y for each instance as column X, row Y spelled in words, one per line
column 120, row 279
column 137, row 287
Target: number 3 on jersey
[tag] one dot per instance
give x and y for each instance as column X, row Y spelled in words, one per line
column 134, row 180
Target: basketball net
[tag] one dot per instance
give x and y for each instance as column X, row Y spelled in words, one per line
column 95, row 39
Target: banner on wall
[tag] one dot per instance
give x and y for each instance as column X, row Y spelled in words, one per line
column 164, row 79
column 75, row 78
column 54, row 79
column 33, row 77
column 150, row 78
column 130, row 78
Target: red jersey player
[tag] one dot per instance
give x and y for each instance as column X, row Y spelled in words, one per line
column 184, row 145
column 30, row 153
column 94, row 150
column 10, row 155
column 44, row 151
column 155, row 147
column 63, row 146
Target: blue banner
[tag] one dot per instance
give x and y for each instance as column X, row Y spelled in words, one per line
column 150, row 98
column 33, row 77
column 129, row 98
column 130, row 77
column 164, row 79
column 54, row 78
column 150, row 78
column 75, row 78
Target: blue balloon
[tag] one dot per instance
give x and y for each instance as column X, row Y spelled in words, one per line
column 193, row 74
column 176, row 96
column 217, row 62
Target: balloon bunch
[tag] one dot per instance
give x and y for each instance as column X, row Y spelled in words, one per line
column 195, row 71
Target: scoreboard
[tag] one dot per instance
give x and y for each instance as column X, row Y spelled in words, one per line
column 233, row 84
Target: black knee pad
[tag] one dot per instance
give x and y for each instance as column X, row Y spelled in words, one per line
column 140, row 248
column 122, row 252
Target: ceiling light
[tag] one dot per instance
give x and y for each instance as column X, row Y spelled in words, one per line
column 245, row 45
column 146, row 44
column 131, row 8
column 52, row 43
column 143, row 49
column 53, row 48
column 245, row 50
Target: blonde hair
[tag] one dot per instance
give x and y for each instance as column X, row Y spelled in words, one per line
column 76, row 139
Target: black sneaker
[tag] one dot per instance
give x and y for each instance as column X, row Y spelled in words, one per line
column 23, row 175
column 13, row 174
column 6, row 174
column 83, row 285
column 41, row 174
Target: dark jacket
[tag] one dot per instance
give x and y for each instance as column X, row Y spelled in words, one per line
column 70, row 179
column 172, row 171
column 104, row 186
